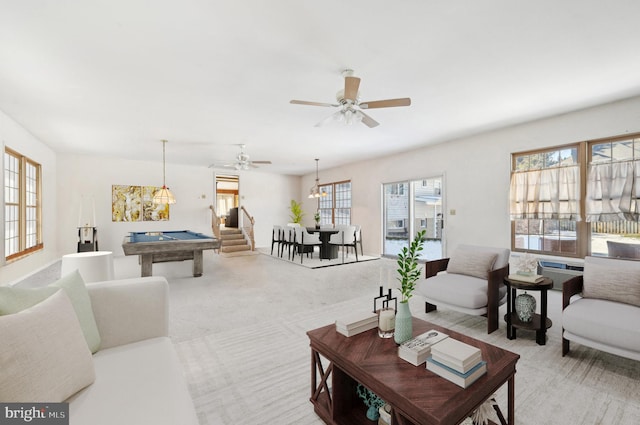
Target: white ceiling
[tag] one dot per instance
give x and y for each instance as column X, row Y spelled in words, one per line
column 114, row 77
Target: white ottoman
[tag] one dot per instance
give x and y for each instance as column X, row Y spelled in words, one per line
column 94, row 266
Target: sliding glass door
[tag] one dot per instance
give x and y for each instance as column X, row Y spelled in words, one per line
column 409, row 207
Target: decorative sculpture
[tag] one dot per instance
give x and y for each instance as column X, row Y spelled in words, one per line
column 372, row 401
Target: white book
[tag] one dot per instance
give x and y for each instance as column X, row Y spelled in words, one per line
column 456, row 354
column 357, row 319
column 534, row 278
column 417, row 349
column 460, row 379
column 356, row 330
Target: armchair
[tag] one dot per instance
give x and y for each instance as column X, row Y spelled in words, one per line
column 470, row 281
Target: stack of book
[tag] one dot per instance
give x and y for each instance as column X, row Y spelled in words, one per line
column 416, row 350
column 529, row 278
column 356, row 323
column 456, row 361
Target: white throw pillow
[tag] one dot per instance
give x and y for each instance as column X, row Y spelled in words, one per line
column 15, row 299
column 615, row 282
column 43, row 353
column 470, row 262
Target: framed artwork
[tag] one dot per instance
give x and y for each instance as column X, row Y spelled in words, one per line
column 135, row 203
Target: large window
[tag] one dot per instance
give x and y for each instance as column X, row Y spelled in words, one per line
column 22, row 211
column 577, row 200
column 335, row 207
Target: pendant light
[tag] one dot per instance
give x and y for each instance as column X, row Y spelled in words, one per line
column 163, row 195
column 315, row 190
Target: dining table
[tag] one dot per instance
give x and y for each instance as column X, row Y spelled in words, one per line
column 327, row 250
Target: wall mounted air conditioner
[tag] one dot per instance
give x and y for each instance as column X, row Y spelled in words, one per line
column 559, row 271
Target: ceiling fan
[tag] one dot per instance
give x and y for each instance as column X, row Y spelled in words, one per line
column 242, row 161
column 350, row 105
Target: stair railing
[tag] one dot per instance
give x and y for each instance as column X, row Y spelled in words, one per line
column 247, row 227
column 215, row 222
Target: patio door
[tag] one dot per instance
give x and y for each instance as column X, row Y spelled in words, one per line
column 409, row 207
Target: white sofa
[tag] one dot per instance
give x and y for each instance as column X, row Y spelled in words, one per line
column 601, row 309
column 134, row 375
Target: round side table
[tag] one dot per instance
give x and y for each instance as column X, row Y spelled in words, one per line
column 94, row 266
column 540, row 322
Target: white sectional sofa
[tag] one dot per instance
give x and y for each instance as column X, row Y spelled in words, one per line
column 137, row 376
column 601, row 309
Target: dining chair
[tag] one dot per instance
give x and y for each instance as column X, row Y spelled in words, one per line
column 359, row 237
column 346, row 237
column 277, row 238
column 304, row 239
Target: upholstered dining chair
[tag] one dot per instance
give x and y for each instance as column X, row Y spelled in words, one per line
column 303, row 240
column 346, row 237
column 277, row 238
column 359, row 237
column 470, row 281
column 288, row 239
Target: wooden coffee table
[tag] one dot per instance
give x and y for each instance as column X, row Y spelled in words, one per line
column 416, row 395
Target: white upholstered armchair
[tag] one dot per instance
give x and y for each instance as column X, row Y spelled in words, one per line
column 470, row 281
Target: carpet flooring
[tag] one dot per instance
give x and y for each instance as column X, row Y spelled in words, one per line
column 240, row 332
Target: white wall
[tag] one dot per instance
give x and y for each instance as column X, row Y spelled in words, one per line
column 476, row 171
column 265, row 196
column 13, row 136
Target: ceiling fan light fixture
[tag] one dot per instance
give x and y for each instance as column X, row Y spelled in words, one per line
column 163, row 196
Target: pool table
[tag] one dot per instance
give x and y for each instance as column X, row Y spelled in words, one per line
column 158, row 247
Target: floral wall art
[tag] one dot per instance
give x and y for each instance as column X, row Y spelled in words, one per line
column 135, row 203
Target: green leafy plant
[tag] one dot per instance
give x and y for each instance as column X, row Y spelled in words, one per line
column 408, row 266
column 296, row 212
column 316, row 216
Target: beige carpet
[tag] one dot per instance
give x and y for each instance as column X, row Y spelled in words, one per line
column 240, row 333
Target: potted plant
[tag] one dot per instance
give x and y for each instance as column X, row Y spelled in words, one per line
column 409, row 274
column 316, row 217
column 296, row 212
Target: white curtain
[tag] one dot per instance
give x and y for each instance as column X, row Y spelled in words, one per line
column 552, row 193
column 612, row 191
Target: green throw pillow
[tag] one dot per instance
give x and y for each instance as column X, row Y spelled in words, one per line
column 14, row 300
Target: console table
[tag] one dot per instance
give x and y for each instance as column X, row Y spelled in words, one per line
column 415, row 394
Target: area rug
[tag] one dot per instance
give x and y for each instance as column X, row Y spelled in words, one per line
column 259, row 373
column 316, row 263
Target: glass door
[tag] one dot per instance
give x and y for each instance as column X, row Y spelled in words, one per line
column 409, row 207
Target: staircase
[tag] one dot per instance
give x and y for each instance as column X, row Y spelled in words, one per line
column 232, row 240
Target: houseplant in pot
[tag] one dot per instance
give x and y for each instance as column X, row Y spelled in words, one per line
column 316, row 217
column 409, row 273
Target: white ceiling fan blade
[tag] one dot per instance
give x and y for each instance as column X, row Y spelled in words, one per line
column 387, row 103
column 261, row 162
column 305, row 102
column 367, row 120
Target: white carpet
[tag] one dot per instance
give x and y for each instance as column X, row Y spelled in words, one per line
column 240, row 331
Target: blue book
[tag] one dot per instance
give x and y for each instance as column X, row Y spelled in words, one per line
column 461, row 379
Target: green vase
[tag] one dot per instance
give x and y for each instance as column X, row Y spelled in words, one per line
column 404, row 323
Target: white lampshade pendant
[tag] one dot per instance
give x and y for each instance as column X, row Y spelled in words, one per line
column 163, row 196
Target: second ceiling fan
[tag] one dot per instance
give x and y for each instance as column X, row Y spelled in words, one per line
column 350, row 105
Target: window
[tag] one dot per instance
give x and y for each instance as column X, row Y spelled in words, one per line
column 577, row 200
column 335, row 207
column 22, row 215
column 613, row 194
column 545, row 200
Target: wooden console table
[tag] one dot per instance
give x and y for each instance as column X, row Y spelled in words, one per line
column 416, row 395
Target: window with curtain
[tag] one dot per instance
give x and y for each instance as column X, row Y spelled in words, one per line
column 545, row 200
column 612, row 194
column 22, row 211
